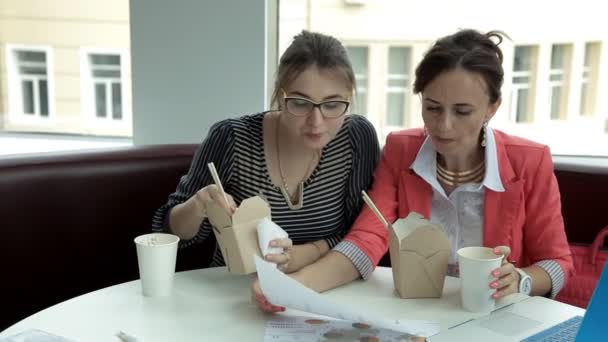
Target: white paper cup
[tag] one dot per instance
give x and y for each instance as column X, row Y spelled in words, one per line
column 476, row 265
column 156, row 254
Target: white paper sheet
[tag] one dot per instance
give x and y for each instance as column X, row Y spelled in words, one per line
column 282, row 328
column 282, row 290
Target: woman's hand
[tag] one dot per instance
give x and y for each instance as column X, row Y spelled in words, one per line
column 211, row 194
column 258, row 298
column 508, row 278
column 286, row 260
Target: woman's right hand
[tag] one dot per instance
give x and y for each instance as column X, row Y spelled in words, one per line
column 211, row 194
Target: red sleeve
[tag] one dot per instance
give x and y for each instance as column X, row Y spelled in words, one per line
column 544, row 235
column 368, row 233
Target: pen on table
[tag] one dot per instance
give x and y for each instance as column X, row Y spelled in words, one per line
column 126, row 337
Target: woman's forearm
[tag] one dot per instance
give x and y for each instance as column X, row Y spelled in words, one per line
column 332, row 270
column 185, row 219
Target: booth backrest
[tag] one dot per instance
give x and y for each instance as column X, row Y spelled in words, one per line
column 68, row 221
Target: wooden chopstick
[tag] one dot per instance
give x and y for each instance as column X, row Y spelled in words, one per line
column 216, row 179
column 373, row 207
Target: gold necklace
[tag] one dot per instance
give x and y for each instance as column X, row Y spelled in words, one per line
column 284, row 188
column 452, row 178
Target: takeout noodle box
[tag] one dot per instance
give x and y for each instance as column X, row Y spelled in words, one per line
column 419, row 254
column 237, row 234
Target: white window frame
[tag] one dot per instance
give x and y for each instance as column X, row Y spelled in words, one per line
column 15, row 92
column 88, row 95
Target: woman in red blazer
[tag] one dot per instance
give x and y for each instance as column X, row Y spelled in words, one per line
column 483, row 186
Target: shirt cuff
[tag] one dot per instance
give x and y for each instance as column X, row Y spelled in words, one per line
column 555, row 273
column 361, row 261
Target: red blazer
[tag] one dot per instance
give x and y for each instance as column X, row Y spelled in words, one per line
column 526, row 216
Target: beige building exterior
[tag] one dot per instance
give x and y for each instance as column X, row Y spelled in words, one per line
column 65, row 67
column 556, row 66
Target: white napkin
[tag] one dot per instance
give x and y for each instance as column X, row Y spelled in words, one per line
column 268, row 231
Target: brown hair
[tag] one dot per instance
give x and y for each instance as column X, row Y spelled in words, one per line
column 470, row 50
column 307, row 49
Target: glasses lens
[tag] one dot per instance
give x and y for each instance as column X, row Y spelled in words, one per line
column 298, row 107
column 333, row 109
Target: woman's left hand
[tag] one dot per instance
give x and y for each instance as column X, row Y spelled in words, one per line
column 507, row 281
column 285, row 260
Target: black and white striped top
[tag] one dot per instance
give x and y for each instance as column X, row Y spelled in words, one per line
column 332, row 197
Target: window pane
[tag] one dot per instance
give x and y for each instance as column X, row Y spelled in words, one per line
column 43, row 93
column 32, row 70
column 360, row 103
column 584, row 99
column 395, row 105
column 523, row 58
column 358, row 58
column 398, row 82
column 556, row 77
column 556, row 93
column 116, row 101
column 105, row 59
column 558, row 56
column 100, row 100
column 521, row 80
column 399, row 60
column 106, row 73
column 27, row 87
column 522, row 105
column 591, row 53
column 31, row 56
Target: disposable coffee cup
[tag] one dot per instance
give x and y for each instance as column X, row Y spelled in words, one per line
column 156, row 254
column 476, row 265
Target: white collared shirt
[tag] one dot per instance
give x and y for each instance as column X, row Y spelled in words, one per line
column 461, row 212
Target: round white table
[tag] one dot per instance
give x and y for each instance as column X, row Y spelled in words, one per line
column 213, row 305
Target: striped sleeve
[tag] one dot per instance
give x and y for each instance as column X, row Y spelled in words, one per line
column 366, row 152
column 218, row 148
column 555, row 273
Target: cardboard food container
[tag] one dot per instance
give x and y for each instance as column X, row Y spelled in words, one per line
column 237, row 234
column 419, row 253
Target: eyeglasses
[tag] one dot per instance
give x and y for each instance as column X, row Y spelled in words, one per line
column 332, row 109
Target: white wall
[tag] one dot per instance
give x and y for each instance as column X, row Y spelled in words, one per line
column 195, row 62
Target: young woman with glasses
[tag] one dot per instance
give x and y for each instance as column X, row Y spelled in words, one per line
column 310, row 159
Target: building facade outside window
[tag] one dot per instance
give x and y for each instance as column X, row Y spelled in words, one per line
column 66, row 74
column 359, row 58
column 398, row 85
